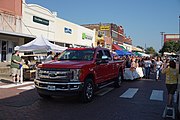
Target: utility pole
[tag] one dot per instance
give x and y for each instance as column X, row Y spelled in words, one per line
column 162, row 33
column 179, row 31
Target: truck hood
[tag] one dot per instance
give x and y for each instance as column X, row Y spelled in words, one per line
column 64, row 64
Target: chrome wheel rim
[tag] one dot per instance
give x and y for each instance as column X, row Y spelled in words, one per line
column 89, row 91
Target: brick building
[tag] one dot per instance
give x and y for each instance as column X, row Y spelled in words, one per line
column 11, row 28
column 110, row 30
column 171, row 37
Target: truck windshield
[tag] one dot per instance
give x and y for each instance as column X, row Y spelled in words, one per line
column 84, row 55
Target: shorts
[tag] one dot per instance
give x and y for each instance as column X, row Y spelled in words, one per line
column 15, row 72
column 171, row 88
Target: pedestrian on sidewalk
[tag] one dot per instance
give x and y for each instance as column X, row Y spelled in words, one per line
column 16, row 64
column 171, row 80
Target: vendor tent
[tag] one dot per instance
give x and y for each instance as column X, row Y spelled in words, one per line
column 40, row 44
column 141, row 54
column 144, row 54
column 116, row 47
column 123, row 53
column 123, row 48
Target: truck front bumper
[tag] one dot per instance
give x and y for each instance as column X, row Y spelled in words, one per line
column 55, row 88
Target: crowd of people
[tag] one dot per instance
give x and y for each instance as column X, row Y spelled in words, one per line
column 148, row 64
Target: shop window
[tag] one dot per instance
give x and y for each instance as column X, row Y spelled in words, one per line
column 4, row 50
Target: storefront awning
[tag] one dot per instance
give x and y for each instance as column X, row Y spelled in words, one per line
column 15, row 34
column 116, row 47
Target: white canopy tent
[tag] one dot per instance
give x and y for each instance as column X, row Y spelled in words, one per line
column 40, row 44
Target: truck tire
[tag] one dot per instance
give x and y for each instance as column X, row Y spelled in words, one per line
column 87, row 93
column 118, row 80
column 44, row 96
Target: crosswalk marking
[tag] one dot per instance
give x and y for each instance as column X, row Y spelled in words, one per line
column 157, row 95
column 27, row 87
column 129, row 93
column 15, row 85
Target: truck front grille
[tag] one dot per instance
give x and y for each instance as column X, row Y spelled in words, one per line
column 55, row 75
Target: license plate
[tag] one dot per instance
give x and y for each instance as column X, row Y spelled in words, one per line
column 50, row 87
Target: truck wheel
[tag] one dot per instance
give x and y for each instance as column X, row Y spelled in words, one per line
column 88, row 91
column 44, row 96
column 118, row 80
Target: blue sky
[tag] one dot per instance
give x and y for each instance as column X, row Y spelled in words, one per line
column 143, row 20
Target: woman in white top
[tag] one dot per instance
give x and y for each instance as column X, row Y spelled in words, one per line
column 147, row 66
column 158, row 68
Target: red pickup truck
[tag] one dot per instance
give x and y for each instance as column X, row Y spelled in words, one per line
column 79, row 71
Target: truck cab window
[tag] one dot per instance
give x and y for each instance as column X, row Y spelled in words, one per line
column 107, row 53
column 99, row 54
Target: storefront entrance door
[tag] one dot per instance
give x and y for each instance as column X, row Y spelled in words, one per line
column 3, row 51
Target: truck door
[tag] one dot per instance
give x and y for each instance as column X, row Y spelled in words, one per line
column 100, row 69
column 110, row 65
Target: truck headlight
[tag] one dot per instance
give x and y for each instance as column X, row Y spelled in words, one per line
column 37, row 73
column 75, row 74
column 41, row 73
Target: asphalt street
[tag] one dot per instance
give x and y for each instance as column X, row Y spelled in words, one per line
column 143, row 99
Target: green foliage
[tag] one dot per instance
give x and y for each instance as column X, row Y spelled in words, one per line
column 150, row 50
column 171, row 46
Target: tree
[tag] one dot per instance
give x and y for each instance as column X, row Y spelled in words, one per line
column 170, row 46
column 150, row 50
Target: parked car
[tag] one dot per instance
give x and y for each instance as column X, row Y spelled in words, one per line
column 79, row 71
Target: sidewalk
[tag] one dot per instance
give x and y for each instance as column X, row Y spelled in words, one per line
column 5, row 64
column 5, row 73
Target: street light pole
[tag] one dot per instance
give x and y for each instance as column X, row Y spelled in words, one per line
column 179, row 31
column 162, row 33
